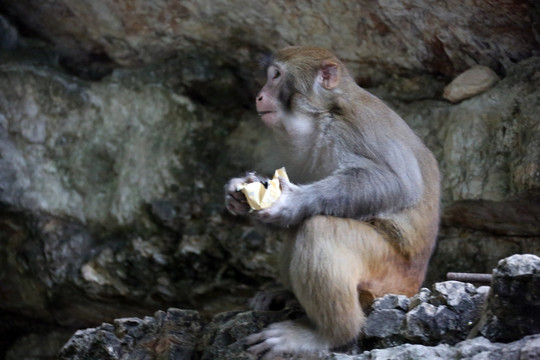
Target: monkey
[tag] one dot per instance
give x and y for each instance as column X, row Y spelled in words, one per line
column 361, row 211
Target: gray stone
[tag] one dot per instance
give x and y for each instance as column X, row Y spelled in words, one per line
column 111, row 199
column 513, row 305
column 527, row 265
column 470, row 83
column 97, row 184
column 388, row 38
column 454, row 294
column 438, row 325
column 167, row 335
column 408, row 351
column 475, row 349
column 384, row 323
column 391, row 301
column 463, row 301
column 421, row 297
column 421, row 323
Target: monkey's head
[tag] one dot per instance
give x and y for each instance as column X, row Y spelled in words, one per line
column 302, row 84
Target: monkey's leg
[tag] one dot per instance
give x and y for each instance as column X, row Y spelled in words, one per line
column 324, row 272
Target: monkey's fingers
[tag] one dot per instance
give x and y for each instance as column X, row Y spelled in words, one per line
column 238, row 196
column 251, row 178
column 262, row 341
column 236, row 207
column 260, row 336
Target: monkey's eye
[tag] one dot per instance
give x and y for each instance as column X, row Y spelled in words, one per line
column 277, row 74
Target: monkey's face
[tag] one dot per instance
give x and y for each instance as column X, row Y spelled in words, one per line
column 267, row 103
column 300, row 86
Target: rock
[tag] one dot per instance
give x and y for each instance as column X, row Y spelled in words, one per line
column 167, row 335
column 110, row 211
column 498, row 216
column 511, row 217
column 454, row 294
column 408, row 351
column 465, row 136
column 518, row 266
column 87, row 164
column 446, row 314
column 464, row 300
column 513, row 306
column 465, row 250
column 420, row 298
column 422, row 325
column 437, row 325
column 384, row 328
column 223, row 337
column 391, row 301
column 116, row 140
column 175, row 334
column 474, row 349
column 472, row 82
column 410, row 36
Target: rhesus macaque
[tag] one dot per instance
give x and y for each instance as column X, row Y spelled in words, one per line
column 362, row 215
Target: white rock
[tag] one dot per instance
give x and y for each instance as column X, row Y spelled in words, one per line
column 472, row 82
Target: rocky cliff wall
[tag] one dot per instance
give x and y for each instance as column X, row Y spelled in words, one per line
column 120, row 121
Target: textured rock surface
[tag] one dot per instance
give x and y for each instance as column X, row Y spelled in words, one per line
column 121, row 120
column 487, row 146
column 513, row 308
column 114, row 192
column 167, row 335
column 478, row 348
column 375, row 37
column 446, row 314
column 437, row 321
column 488, row 151
column 107, row 210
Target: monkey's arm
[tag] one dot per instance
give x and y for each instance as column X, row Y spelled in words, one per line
column 361, row 190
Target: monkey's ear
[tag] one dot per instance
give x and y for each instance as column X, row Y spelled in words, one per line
column 329, row 74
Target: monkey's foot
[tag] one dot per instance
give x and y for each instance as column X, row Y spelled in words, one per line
column 287, row 337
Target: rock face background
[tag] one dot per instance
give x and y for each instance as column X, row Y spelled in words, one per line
column 120, row 121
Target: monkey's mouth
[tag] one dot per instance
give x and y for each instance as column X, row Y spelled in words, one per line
column 261, row 113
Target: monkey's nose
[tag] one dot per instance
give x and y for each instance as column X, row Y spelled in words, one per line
column 259, row 98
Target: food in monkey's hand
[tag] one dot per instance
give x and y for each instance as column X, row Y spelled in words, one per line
column 261, row 195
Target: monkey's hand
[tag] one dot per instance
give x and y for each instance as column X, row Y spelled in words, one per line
column 286, row 211
column 235, row 200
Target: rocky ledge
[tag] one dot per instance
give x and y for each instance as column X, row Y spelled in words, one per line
column 454, row 320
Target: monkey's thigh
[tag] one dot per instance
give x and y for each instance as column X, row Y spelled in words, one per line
column 352, row 255
column 325, row 269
